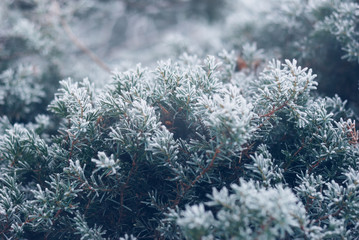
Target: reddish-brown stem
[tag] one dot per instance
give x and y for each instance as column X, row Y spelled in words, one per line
column 186, row 187
column 329, row 215
column 300, row 149
column 269, row 114
column 295, row 154
column 315, row 165
column 274, row 110
column 207, row 168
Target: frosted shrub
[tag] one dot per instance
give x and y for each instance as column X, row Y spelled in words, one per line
column 218, row 147
column 143, row 155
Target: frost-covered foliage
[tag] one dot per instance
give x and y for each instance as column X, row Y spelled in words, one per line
column 250, row 212
column 42, row 41
column 343, row 23
column 19, row 91
column 143, row 155
column 232, row 146
column 298, row 26
column 322, row 34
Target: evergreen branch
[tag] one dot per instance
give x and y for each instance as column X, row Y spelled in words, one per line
column 210, row 165
column 330, row 215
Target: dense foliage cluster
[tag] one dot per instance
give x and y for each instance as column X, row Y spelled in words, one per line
column 224, row 146
column 322, row 34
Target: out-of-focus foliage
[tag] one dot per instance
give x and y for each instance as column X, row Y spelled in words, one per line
column 322, row 34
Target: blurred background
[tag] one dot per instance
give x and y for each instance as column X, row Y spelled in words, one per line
column 44, row 41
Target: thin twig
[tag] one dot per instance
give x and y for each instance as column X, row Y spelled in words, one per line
column 207, row 168
column 269, row 114
column 77, row 42
column 186, row 187
column 330, row 215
